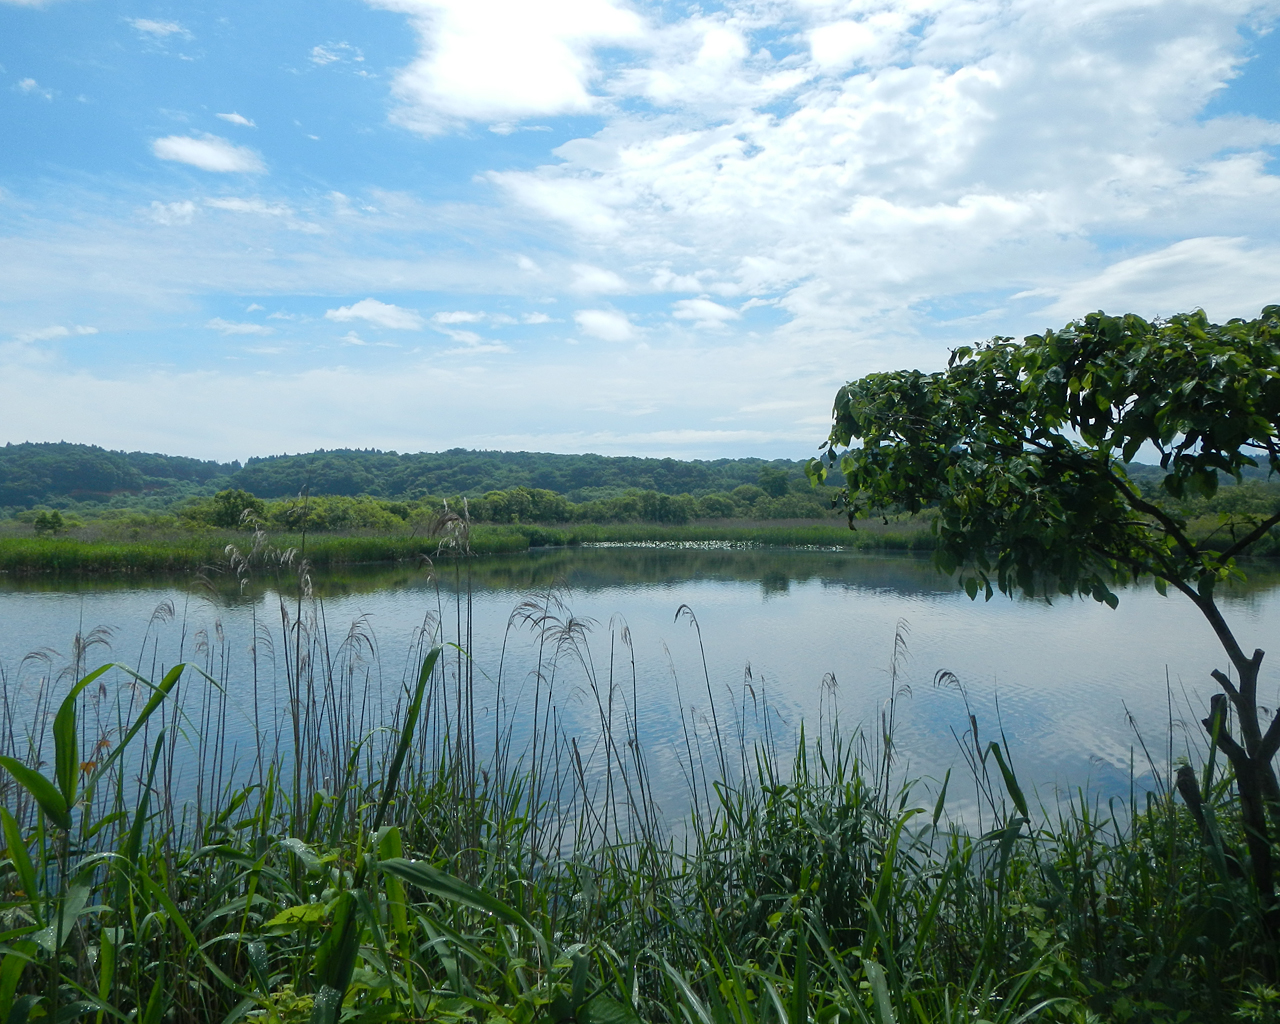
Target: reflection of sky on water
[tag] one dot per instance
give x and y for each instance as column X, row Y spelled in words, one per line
column 1063, row 675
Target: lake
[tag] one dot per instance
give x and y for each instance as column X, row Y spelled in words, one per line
column 815, row 634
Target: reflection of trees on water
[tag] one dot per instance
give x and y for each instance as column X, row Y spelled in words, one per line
column 588, row 569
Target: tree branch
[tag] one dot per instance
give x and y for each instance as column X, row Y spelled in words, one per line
column 1221, row 679
column 1170, row 524
column 1254, row 535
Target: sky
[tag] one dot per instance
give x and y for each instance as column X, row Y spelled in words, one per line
column 632, row 228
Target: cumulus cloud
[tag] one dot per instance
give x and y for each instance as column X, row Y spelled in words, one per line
column 925, row 154
column 704, row 313
column 380, row 314
column 239, row 119
column 605, row 324
column 209, row 153
column 590, row 280
column 504, row 60
column 231, row 327
column 1222, row 276
column 873, row 181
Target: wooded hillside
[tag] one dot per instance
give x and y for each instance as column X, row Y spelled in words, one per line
column 57, row 473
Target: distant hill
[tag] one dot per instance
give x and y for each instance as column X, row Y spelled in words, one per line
column 32, row 474
column 460, row 471
column 57, row 473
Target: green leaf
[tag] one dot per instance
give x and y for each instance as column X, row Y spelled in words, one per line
column 66, row 745
column 880, row 992
column 69, row 909
column 16, row 847
column 440, row 883
column 21, row 1010
column 406, row 736
column 292, row 918
column 336, row 955
column 42, row 791
column 157, row 698
column 312, row 861
column 603, row 1010
column 1010, row 780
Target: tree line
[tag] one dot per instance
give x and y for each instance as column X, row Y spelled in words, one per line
column 61, row 475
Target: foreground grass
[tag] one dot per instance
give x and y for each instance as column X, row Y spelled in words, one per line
column 104, row 550
column 407, row 869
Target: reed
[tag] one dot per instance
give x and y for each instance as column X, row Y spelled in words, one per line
column 92, row 551
column 372, row 856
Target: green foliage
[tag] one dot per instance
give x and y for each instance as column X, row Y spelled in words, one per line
column 235, row 509
column 68, row 474
column 1019, row 445
column 774, row 482
column 1021, row 448
column 48, row 522
column 35, row 473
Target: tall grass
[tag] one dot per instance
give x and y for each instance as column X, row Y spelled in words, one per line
column 92, row 550
column 372, row 856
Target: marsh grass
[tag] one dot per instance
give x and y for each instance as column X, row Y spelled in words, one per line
column 372, row 856
column 106, row 548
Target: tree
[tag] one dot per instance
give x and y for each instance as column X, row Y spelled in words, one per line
column 774, row 482
column 230, row 508
column 49, row 522
column 1021, row 448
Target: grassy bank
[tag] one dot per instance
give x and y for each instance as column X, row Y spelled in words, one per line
column 351, row 866
column 103, row 550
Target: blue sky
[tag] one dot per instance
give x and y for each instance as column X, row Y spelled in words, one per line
column 590, row 225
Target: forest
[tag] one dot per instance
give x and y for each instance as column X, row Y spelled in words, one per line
column 63, row 475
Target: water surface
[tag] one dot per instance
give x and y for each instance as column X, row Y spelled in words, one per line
column 816, row 634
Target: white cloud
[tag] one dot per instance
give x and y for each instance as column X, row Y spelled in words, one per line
column 181, row 212
column 209, row 153
column 159, row 29
column 705, row 313
column 873, row 40
column 49, row 333
column 31, row 87
column 458, row 317
column 605, row 324
column 879, row 193
column 236, row 204
column 504, row 60
column 1223, row 276
column 588, row 280
column 380, row 314
column 977, row 148
column 239, row 119
column 335, row 53
column 231, row 327
column 535, row 318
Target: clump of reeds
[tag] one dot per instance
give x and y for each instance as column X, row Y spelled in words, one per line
column 374, row 856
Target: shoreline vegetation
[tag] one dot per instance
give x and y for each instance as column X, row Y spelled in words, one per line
column 97, row 550
column 77, row 509
column 385, row 853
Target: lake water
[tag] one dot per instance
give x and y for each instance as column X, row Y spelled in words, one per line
column 813, row 632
